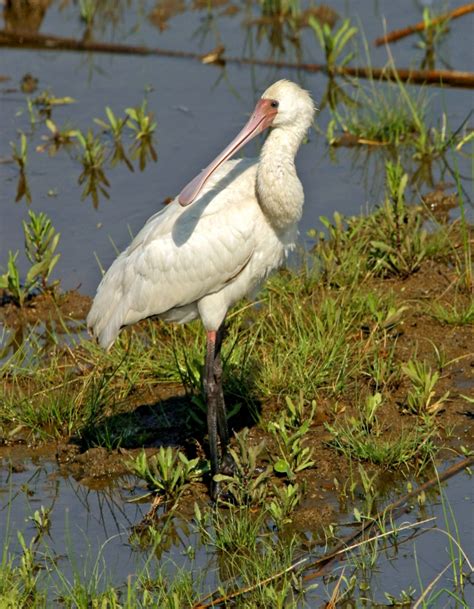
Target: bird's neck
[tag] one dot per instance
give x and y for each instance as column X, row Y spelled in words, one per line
column 279, row 190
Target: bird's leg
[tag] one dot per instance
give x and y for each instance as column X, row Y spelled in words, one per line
column 221, row 412
column 216, row 412
column 226, row 465
column 211, row 390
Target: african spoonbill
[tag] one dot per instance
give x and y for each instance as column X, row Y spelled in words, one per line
column 215, row 243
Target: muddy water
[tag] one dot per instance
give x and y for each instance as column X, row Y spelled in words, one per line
column 198, row 109
column 90, row 523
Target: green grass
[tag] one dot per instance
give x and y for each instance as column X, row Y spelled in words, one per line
column 391, row 115
column 45, row 394
column 304, row 346
column 457, row 313
column 363, row 437
column 413, row 445
column 169, row 472
column 393, row 241
column 380, row 115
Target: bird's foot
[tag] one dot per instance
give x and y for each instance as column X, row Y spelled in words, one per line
column 218, row 491
column 220, row 495
column 227, row 466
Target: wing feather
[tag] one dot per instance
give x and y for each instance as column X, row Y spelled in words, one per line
column 179, row 256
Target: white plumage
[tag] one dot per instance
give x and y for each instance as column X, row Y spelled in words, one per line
column 198, row 260
column 191, row 260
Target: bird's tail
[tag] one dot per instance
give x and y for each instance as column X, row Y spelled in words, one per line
column 109, row 307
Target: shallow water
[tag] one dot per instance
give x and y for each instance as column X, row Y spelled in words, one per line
column 90, row 523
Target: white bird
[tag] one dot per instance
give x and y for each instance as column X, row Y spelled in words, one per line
column 198, row 260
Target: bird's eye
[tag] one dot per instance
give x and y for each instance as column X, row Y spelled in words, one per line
column 274, row 104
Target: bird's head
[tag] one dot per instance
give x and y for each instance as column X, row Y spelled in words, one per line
column 289, row 103
column 284, row 104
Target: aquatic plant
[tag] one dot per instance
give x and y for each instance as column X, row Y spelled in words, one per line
column 296, row 412
column 87, row 10
column 19, row 580
column 285, row 501
column 94, row 150
column 168, row 473
column 41, row 520
column 46, row 101
column 20, row 157
column 433, row 33
column 143, row 124
column 93, row 160
column 292, row 455
column 248, row 482
column 420, row 396
column 10, row 281
column 115, row 126
column 41, row 241
column 59, row 137
column 334, row 43
column 280, row 8
column 368, row 412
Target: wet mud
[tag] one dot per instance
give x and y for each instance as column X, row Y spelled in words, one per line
column 49, row 307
